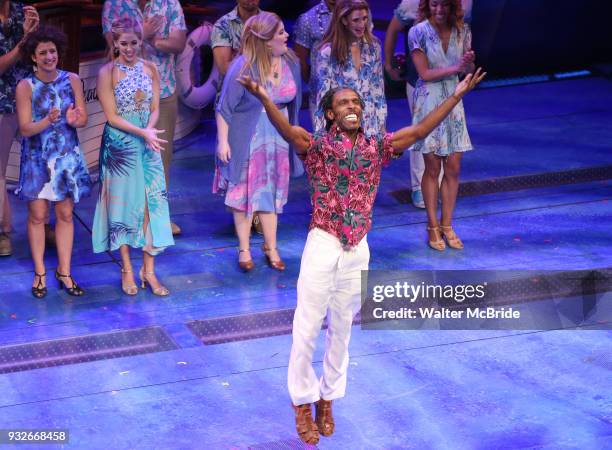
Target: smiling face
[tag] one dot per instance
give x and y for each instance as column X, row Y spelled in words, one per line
column 356, row 23
column 346, row 110
column 128, row 45
column 440, row 11
column 278, row 44
column 45, row 56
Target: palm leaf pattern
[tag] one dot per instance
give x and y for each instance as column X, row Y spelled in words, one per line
column 118, row 229
column 118, row 154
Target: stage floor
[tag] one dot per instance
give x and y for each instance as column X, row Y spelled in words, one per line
column 547, row 148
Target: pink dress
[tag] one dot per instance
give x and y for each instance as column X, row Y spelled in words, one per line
column 264, row 178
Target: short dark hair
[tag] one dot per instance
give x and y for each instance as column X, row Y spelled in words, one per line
column 44, row 33
column 328, row 100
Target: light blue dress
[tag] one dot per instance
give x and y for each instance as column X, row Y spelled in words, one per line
column 451, row 135
column 52, row 164
column 131, row 175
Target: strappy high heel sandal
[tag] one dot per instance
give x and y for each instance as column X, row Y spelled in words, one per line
column 39, row 291
column 131, row 289
column 278, row 265
column 451, row 237
column 438, row 244
column 245, row 266
column 75, row 290
column 161, row 291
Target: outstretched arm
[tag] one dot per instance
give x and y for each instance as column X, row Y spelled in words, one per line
column 407, row 136
column 298, row 137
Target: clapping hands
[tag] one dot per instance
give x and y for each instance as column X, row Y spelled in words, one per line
column 151, row 26
column 54, row 115
column 73, row 115
column 467, row 62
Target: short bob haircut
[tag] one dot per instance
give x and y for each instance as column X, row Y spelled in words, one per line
column 44, row 33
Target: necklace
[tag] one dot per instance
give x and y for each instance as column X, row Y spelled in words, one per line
column 276, row 70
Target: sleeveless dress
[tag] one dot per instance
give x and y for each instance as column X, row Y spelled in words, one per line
column 451, row 135
column 131, row 175
column 52, row 164
column 264, row 179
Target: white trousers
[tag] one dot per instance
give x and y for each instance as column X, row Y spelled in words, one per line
column 329, row 284
column 417, row 163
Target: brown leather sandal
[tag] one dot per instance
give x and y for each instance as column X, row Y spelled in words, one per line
column 324, row 418
column 304, row 425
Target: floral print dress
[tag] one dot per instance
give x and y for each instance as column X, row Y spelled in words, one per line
column 367, row 81
column 264, row 179
column 451, row 135
column 52, row 164
column 131, row 175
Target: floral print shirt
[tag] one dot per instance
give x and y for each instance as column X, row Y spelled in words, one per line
column 344, row 179
column 227, row 31
column 173, row 19
column 11, row 33
column 367, row 81
column 308, row 32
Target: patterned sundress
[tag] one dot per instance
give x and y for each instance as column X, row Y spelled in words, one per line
column 131, row 175
column 451, row 135
column 264, row 179
column 52, row 164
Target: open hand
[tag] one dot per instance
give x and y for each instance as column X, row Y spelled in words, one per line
column 73, row 115
column 31, row 19
column 253, row 87
column 155, row 143
column 469, row 82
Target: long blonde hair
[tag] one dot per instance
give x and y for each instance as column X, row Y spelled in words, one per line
column 337, row 34
column 258, row 30
column 125, row 25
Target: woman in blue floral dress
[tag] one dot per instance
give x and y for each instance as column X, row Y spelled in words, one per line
column 350, row 56
column 441, row 49
column 132, row 208
column 50, row 106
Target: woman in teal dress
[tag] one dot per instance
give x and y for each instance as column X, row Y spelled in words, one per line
column 132, row 208
column 441, row 48
column 50, row 106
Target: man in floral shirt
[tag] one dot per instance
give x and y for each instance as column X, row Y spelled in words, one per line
column 343, row 168
column 16, row 21
column 307, row 34
column 164, row 34
column 227, row 34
